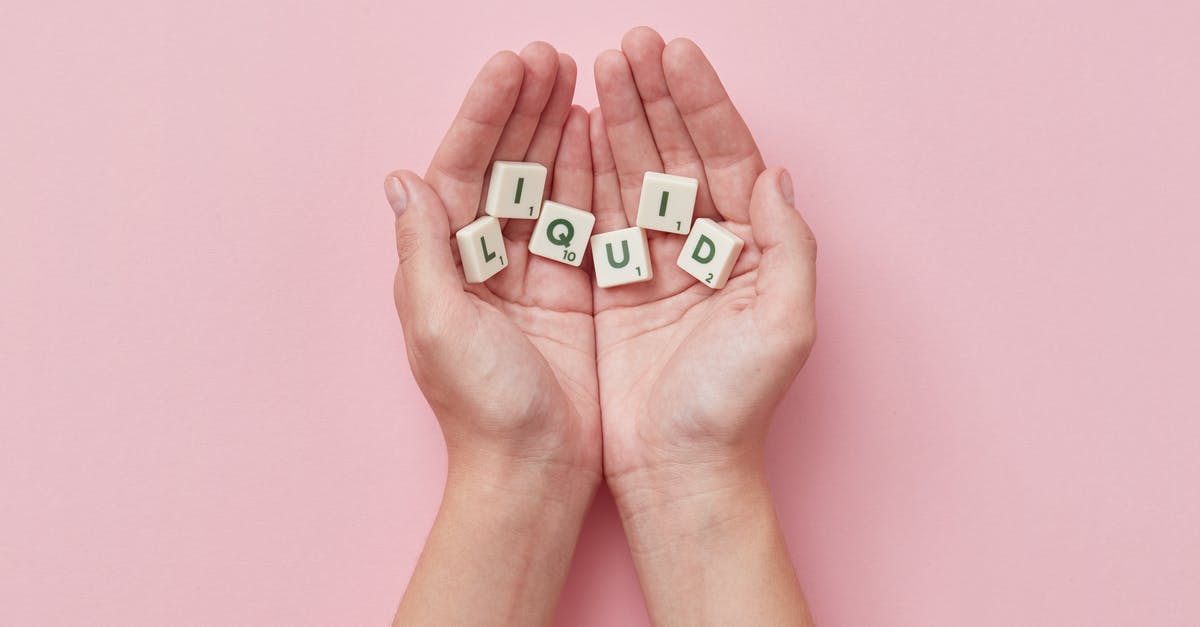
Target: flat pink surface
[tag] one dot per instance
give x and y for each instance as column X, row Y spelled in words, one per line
column 205, row 413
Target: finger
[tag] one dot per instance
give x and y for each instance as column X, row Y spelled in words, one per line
column 545, row 143
column 629, row 133
column 541, row 67
column 427, row 279
column 786, row 281
column 573, row 184
column 606, row 191
column 731, row 159
column 549, row 282
column 458, row 168
column 643, row 47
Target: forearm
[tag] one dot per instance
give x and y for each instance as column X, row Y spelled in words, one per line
column 501, row 545
column 708, row 547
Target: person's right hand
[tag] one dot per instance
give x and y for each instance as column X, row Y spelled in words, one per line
column 689, row 376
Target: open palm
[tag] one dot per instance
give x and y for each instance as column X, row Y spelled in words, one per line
column 688, row 374
column 540, row 381
column 509, row 362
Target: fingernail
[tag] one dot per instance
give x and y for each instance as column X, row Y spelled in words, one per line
column 396, row 195
column 785, row 188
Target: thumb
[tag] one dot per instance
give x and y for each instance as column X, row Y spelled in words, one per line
column 788, row 268
column 427, row 275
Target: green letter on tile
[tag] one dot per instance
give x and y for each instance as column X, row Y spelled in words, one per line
column 700, row 244
column 563, row 238
column 608, row 248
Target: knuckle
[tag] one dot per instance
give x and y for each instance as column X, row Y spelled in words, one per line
column 807, row 239
column 408, row 243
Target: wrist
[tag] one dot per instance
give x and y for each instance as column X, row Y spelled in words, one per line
column 705, row 539
column 502, row 542
column 525, row 446
column 678, row 503
column 514, row 483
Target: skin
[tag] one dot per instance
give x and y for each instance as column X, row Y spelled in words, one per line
column 509, row 366
column 664, row 389
column 689, row 376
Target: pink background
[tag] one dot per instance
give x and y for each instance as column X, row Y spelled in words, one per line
column 205, row 413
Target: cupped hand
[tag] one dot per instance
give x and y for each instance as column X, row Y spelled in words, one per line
column 508, row 365
column 689, row 376
column 518, row 369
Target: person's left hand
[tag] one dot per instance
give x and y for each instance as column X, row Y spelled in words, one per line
column 508, row 365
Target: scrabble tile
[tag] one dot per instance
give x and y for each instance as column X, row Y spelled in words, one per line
column 667, row 202
column 482, row 249
column 709, row 253
column 515, row 190
column 562, row 233
column 621, row 257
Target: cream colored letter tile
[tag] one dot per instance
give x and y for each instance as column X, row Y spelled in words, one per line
column 709, row 253
column 621, row 257
column 667, row 202
column 515, row 190
column 482, row 249
column 562, row 233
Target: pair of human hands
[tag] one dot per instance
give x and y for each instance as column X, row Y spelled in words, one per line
column 664, row 388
